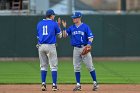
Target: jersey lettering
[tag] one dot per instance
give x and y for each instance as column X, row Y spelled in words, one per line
column 81, row 39
column 45, row 30
column 77, row 32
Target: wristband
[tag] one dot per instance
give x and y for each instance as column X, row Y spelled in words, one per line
column 64, row 28
column 89, row 42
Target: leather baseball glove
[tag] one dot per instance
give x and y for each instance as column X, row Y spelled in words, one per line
column 86, row 50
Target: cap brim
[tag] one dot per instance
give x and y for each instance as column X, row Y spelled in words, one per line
column 75, row 17
column 50, row 14
column 53, row 14
column 72, row 16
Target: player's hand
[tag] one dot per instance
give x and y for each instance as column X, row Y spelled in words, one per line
column 64, row 23
column 86, row 50
column 59, row 20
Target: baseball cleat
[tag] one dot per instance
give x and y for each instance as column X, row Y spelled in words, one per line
column 43, row 87
column 54, row 88
column 77, row 88
column 95, row 86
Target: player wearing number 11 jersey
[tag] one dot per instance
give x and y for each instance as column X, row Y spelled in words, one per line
column 47, row 29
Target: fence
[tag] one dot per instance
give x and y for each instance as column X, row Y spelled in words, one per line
column 115, row 35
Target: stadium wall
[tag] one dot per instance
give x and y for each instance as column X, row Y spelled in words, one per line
column 115, row 35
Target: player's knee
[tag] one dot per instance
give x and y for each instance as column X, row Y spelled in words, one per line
column 77, row 69
column 43, row 68
column 91, row 69
column 54, row 69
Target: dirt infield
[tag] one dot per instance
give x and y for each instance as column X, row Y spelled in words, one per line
column 66, row 88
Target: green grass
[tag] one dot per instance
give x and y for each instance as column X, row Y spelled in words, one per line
column 107, row 72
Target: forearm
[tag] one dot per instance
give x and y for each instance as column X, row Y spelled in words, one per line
column 90, row 41
column 64, row 28
column 64, row 32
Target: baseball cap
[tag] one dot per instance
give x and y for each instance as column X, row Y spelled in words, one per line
column 50, row 12
column 77, row 15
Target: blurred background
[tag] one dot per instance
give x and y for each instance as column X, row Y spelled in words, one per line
column 64, row 7
column 115, row 49
column 115, row 23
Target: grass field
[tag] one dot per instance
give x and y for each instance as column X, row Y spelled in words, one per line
column 107, row 72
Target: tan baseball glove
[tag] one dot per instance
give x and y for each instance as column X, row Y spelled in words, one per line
column 86, row 50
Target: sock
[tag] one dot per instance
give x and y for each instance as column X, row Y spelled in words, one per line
column 93, row 75
column 54, row 77
column 43, row 76
column 77, row 75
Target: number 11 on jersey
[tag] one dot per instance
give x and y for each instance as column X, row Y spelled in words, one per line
column 45, row 31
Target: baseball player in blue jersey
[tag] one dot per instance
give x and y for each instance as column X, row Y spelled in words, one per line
column 47, row 29
column 81, row 38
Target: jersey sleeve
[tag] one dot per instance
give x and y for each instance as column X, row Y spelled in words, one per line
column 57, row 29
column 89, row 32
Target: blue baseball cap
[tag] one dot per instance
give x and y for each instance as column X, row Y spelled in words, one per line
column 77, row 15
column 50, row 12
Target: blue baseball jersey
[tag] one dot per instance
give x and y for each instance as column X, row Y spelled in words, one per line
column 79, row 34
column 47, row 30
